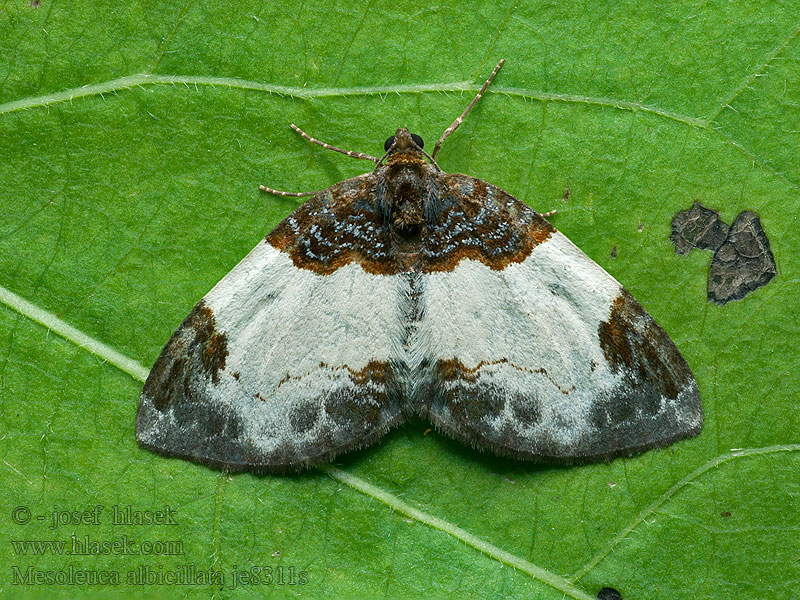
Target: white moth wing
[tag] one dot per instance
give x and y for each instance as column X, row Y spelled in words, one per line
column 550, row 358
column 277, row 367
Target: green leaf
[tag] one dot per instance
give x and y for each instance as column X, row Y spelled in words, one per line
column 133, row 137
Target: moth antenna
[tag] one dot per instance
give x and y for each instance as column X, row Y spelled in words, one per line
column 293, row 194
column 457, row 122
column 334, row 148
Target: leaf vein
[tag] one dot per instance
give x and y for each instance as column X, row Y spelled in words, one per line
column 752, row 76
column 492, row 551
column 658, row 502
column 356, row 31
column 165, row 42
column 72, row 334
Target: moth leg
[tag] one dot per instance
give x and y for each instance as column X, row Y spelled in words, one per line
column 549, row 213
column 324, row 145
column 334, row 148
column 293, row 194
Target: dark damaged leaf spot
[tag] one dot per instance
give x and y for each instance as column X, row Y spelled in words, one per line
column 742, row 259
column 743, row 263
column 699, row 227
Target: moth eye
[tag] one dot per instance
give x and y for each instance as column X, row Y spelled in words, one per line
column 388, row 144
column 417, row 140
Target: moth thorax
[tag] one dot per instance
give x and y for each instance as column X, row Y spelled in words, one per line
column 406, row 187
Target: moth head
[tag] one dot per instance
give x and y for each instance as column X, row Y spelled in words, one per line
column 403, row 141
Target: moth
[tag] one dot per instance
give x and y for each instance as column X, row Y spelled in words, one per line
column 411, row 291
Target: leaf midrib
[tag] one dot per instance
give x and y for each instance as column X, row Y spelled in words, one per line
column 145, row 79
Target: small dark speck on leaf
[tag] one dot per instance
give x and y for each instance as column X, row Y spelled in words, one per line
column 608, row 593
column 614, row 252
column 35, row 3
column 640, row 227
column 742, row 259
column 566, row 196
column 725, row 514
